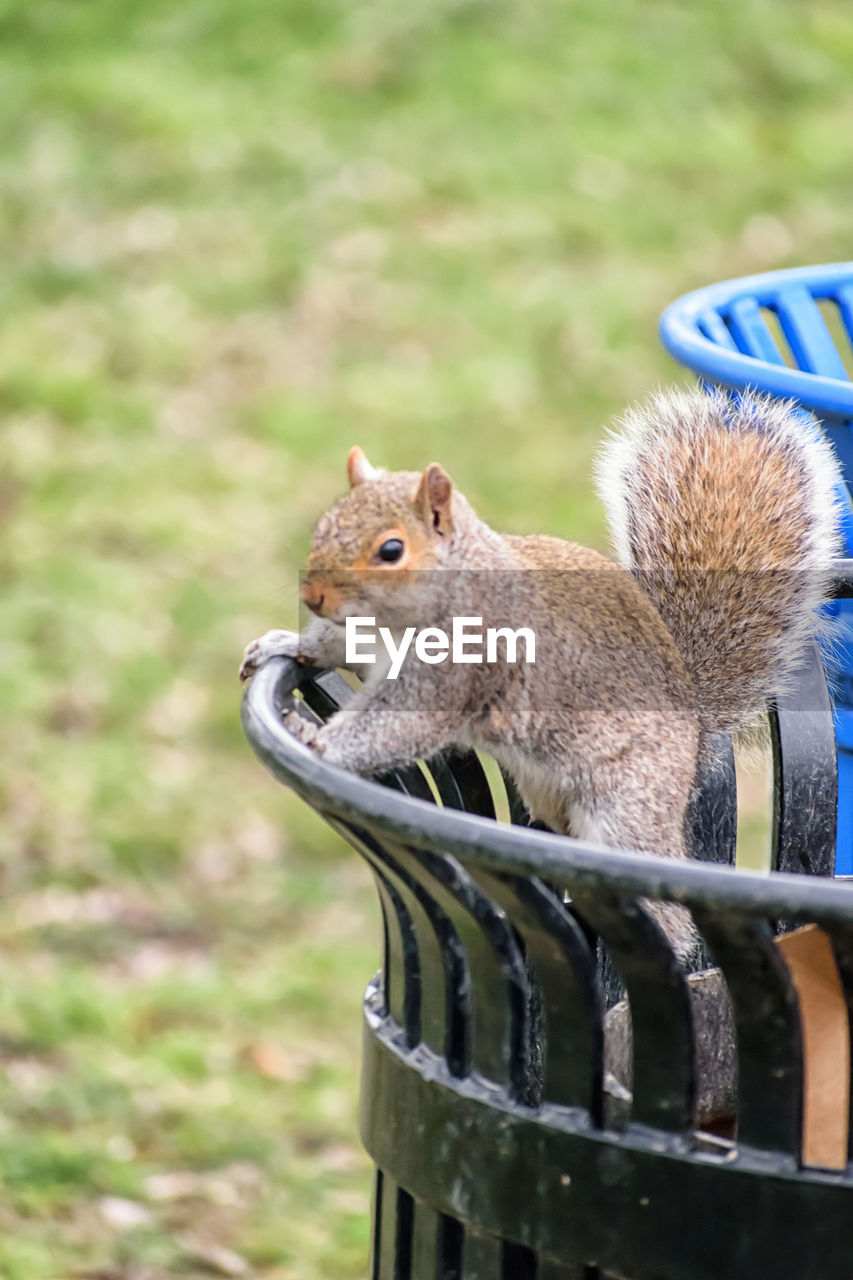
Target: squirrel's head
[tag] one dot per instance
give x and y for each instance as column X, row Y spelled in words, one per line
column 369, row 549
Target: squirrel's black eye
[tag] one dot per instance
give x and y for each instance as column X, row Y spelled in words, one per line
column 391, row 550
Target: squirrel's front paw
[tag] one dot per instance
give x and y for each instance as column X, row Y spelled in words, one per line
column 273, row 644
column 301, row 729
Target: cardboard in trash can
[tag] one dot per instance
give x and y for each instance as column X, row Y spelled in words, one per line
column 826, row 1045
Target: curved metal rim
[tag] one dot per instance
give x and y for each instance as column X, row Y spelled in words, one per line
column 679, row 334
column 511, row 850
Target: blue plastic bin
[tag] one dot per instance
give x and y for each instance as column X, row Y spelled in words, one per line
column 789, row 333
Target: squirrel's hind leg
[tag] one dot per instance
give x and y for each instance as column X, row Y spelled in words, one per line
column 645, row 819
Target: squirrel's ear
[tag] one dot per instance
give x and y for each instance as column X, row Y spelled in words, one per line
column 433, row 498
column 359, row 470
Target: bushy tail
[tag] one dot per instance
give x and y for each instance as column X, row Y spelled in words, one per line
column 727, row 514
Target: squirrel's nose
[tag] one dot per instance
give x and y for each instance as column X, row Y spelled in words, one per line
column 313, row 595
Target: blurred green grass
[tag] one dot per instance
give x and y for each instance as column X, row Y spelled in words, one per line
column 236, row 240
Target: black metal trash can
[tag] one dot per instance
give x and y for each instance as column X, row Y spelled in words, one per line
column 504, row 1147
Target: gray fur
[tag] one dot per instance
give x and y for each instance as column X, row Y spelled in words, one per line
column 633, row 669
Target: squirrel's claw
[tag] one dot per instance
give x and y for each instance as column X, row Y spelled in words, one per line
column 303, row 730
column 273, row 644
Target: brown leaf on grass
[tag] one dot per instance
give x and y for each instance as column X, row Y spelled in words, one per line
column 75, row 713
column 231, row 1186
column 337, row 1158
column 235, row 1185
column 55, row 905
column 218, row 1259
column 121, row 1271
column 277, row 1063
column 30, row 1076
column 123, row 1215
column 175, row 1184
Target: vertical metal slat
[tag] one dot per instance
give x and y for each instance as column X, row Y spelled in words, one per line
column 805, row 329
column 664, row 1078
column 750, row 332
column 768, row 1041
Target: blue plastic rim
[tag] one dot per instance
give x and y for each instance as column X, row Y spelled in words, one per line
column 790, row 334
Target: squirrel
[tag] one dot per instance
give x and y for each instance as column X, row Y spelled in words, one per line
column 725, row 522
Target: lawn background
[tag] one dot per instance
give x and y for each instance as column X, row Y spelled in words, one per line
column 237, row 239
